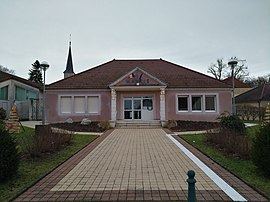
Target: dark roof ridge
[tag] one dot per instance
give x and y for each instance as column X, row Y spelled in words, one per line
column 102, row 75
column 82, row 72
column 23, row 80
column 145, row 59
column 189, row 69
column 247, row 91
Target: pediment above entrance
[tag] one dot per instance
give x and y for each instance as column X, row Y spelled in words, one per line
column 138, row 77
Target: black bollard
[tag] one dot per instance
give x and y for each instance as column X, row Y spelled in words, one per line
column 191, row 186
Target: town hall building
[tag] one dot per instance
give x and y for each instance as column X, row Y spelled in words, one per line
column 132, row 90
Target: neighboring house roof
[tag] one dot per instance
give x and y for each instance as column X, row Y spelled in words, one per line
column 237, row 83
column 69, row 66
column 6, row 76
column 173, row 75
column 261, row 93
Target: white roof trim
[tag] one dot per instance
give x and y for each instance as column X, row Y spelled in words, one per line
column 135, row 69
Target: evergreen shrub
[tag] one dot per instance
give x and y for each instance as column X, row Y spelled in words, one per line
column 261, row 150
column 9, row 156
column 3, row 115
column 232, row 123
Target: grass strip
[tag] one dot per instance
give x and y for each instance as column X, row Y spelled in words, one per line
column 244, row 169
column 31, row 170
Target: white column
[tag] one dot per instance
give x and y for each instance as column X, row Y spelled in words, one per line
column 113, row 105
column 162, row 104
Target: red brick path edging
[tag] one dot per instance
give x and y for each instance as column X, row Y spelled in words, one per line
column 241, row 187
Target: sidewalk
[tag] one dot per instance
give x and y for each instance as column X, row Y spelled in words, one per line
column 32, row 124
column 133, row 164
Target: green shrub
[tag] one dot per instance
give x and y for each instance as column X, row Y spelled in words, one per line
column 261, row 150
column 3, row 115
column 9, row 156
column 233, row 123
column 46, row 140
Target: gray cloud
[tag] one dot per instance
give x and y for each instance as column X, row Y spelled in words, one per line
column 191, row 33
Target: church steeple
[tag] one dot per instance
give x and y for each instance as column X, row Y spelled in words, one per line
column 69, row 67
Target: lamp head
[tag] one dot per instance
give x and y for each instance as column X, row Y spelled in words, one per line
column 232, row 62
column 44, row 65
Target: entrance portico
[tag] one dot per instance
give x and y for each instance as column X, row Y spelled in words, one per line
column 138, row 105
column 138, row 96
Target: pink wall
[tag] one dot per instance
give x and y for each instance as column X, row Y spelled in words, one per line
column 53, row 106
column 223, row 104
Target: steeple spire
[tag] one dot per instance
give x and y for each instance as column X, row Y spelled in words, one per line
column 69, row 66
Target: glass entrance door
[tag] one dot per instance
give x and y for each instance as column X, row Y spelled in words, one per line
column 136, row 108
column 132, row 108
column 128, row 108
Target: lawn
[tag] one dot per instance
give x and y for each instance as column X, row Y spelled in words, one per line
column 30, row 170
column 245, row 169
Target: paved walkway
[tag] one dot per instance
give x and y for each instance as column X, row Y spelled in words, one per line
column 129, row 164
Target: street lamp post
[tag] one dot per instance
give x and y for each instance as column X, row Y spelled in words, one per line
column 44, row 66
column 233, row 62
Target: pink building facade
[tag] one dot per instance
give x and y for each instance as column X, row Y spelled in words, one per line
column 134, row 90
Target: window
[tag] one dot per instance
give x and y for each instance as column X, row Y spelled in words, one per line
column 20, row 94
column 196, row 103
column 210, row 103
column 79, row 106
column 32, row 95
column 66, row 104
column 93, row 104
column 4, row 93
column 183, row 103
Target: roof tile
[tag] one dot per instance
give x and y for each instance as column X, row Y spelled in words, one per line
column 172, row 74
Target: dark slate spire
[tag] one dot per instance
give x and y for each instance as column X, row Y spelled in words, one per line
column 69, row 67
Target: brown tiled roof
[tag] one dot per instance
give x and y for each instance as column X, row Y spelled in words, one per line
column 6, row 76
column 261, row 93
column 237, row 83
column 173, row 75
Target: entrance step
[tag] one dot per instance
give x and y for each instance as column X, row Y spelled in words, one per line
column 138, row 124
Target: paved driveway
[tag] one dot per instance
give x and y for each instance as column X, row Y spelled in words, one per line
column 128, row 164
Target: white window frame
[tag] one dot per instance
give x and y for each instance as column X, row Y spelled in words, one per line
column 98, row 107
column 183, row 96
column 74, row 105
column 203, row 103
column 85, row 111
column 215, row 103
column 60, row 104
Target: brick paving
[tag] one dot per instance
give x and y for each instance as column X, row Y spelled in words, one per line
column 130, row 164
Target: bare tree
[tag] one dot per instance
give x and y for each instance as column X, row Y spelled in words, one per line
column 240, row 71
column 221, row 70
column 217, row 69
column 257, row 81
column 7, row 70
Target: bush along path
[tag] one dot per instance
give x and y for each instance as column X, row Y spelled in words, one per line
column 35, row 162
column 9, row 155
column 261, row 150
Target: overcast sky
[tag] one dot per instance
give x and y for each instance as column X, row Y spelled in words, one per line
column 192, row 33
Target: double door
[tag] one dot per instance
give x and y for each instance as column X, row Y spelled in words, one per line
column 138, row 108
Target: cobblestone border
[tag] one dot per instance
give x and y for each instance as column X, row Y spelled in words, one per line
column 240, row 186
